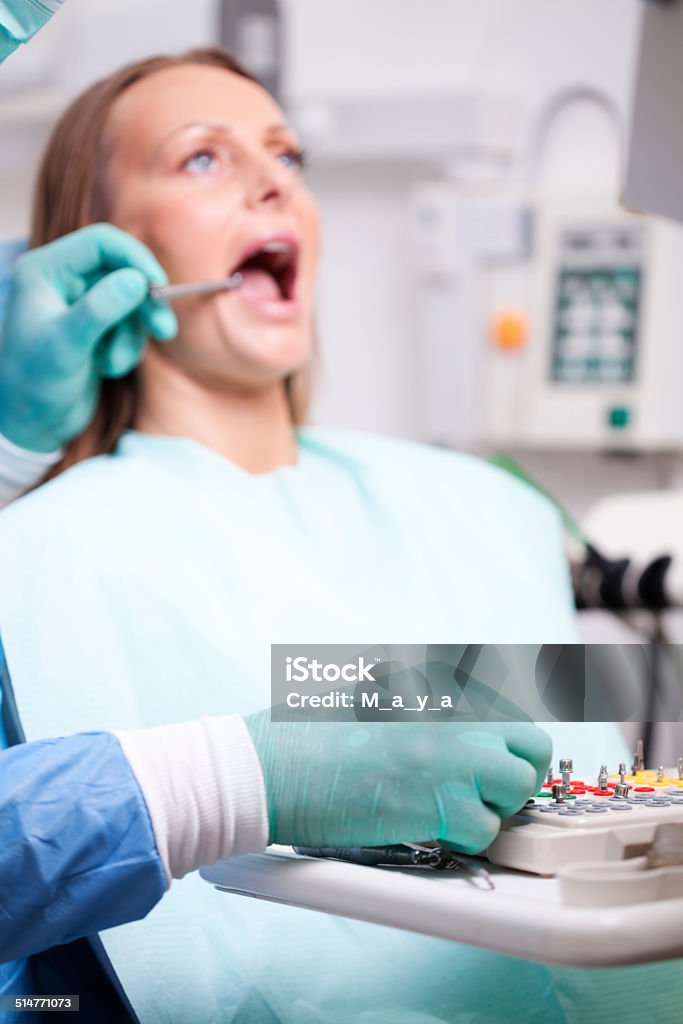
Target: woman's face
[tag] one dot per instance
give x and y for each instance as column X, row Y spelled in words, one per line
column 206, row 172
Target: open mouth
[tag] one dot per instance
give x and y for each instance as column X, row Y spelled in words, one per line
column 269, row 271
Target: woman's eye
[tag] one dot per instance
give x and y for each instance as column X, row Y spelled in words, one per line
column 294, row 158
column 200, row 162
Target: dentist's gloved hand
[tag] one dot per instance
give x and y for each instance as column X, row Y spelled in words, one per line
column 370, row 784
column 21, row 19
column 78, row 310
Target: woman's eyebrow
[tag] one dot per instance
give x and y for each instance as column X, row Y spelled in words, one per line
column 192, row 126
column 276, row 129
column 214, row 126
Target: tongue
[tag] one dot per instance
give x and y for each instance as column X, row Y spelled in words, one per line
column 259, row 285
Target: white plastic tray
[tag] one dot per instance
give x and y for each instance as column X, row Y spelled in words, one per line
column 523, row 916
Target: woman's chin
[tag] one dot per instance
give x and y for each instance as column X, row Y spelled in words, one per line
column 273, row 351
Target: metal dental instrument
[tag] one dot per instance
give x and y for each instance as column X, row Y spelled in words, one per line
column 399, row 855
column 602, row 778
column 169, row 292
column 566, row 770
column 403, row 855
column 452, row 861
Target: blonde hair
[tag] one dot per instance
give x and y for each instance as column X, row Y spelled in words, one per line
column 72, row 191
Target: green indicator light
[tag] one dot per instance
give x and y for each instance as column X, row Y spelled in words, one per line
column 619, row 417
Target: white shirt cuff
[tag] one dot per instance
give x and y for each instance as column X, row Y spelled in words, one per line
column 203, row 786
column 21, row 469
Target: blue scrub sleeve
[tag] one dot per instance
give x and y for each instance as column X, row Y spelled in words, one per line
column 78, row 853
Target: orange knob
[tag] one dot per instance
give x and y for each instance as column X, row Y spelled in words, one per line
column 509, row 330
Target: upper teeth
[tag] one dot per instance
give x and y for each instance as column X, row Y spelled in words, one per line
column 277, row 247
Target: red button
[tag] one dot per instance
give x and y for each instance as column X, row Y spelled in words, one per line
column 645, row 789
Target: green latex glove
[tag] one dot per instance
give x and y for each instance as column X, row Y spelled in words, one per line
column 78, row 310
column 367, row 784
column 21, row 19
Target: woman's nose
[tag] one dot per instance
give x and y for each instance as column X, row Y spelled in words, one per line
column 267, row 180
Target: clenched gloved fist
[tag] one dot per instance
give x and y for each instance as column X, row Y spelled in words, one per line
column 371, row 784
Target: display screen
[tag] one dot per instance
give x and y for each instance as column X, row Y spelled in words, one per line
column 597, row 306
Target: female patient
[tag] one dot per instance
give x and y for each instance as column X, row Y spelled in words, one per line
column 199, row 523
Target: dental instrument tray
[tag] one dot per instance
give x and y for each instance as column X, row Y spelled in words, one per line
column 610, row 821
column 584, row 879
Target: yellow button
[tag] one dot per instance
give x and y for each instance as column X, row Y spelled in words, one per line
column 509, row 330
